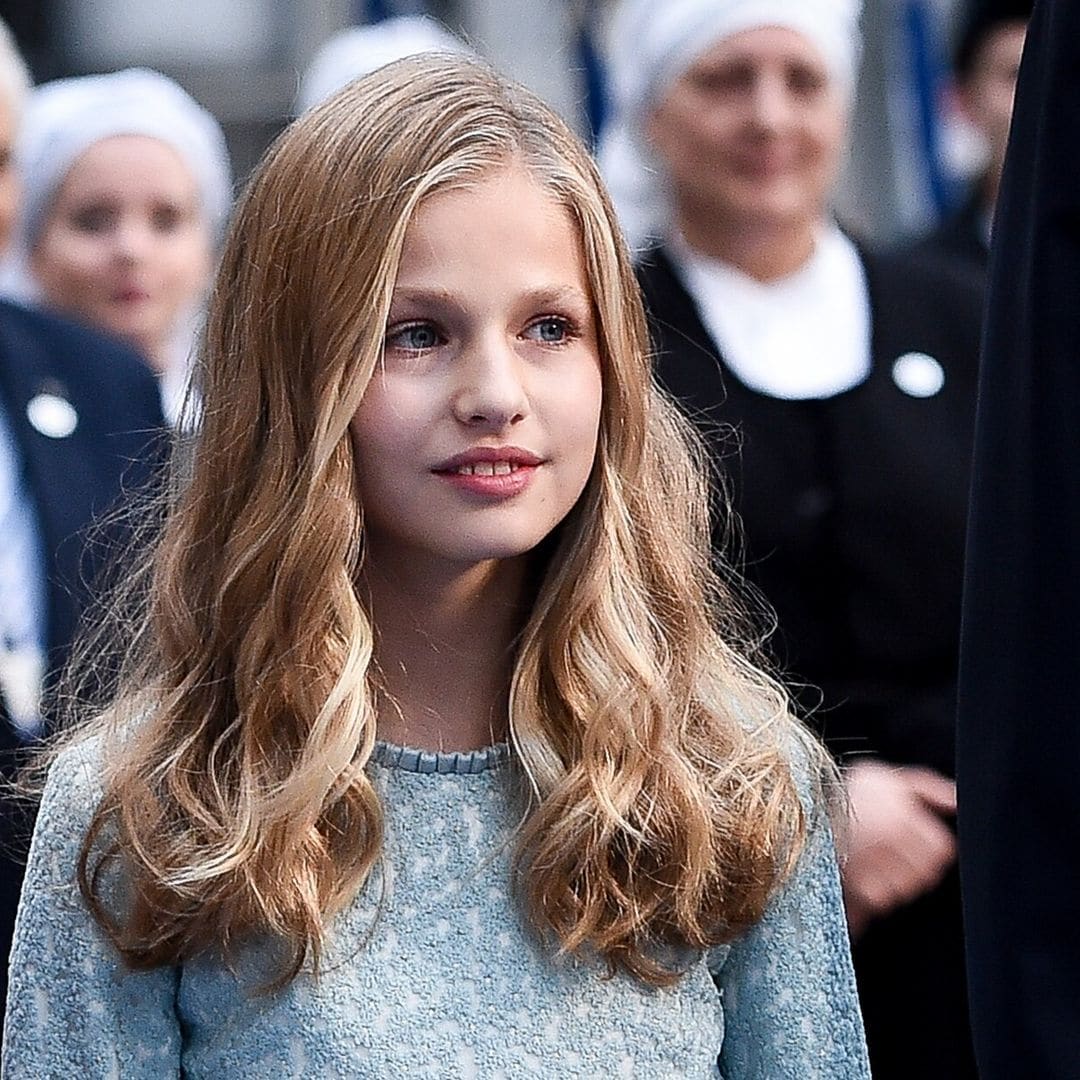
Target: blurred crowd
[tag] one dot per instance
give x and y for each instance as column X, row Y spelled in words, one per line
column 833, row 382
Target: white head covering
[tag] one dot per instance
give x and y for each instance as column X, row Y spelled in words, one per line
column 360, row 50
column 652, row 43
column 66, row 117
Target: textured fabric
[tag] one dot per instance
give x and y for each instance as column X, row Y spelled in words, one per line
column 429, row 973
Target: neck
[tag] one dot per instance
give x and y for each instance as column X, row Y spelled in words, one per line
column 763, row 250
column 444, row 650
column 156, row 354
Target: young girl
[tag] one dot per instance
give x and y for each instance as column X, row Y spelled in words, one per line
column 434, row 761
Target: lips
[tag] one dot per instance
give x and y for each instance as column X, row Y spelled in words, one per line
column 130, row 295
column 490, row 472
column 479, row 459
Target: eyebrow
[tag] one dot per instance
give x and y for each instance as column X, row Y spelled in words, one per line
column 540, row 296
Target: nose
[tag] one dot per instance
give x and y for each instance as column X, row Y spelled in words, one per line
column 131, row 240
column 770, row 102
column 490, row 390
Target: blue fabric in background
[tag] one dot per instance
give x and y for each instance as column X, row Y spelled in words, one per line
column 927, row 74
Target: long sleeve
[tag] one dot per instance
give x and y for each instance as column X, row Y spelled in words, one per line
column 73, row 1009
column 790, row 1005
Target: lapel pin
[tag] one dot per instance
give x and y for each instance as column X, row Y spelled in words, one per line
column 918, row 375
column 52, row 416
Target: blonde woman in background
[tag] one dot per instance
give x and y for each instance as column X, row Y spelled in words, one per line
column 433, row 759
column 126, row 189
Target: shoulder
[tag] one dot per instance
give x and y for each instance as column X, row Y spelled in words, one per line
column 899, row 275
column 63, row 334
column 924, row 304
column 86, row 363
column 74, row 785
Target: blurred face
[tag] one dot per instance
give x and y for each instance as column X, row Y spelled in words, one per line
column 751, row 133
column 478, row 432
column 9, row 184
column 987, row 93
column 125, row 245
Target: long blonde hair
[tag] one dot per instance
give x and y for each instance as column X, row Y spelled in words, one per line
column 658, row 761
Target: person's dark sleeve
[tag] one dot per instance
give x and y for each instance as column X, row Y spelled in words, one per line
column 1019, row 714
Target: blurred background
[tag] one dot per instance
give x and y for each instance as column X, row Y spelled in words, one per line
column 242, row 59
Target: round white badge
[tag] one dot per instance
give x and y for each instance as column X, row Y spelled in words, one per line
column 918, row 375
column 52, row 416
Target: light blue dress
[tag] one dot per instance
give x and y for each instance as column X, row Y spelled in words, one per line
column 429, row 973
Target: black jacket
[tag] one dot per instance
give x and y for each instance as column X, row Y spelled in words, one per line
column 959, row 241
column 853, row 507
column 1019, row 745
column 116, row 446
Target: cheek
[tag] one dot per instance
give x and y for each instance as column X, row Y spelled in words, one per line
column 65, row 262
column 826, row 133
column 188, row 260
column 581, row 405
column 387, row 426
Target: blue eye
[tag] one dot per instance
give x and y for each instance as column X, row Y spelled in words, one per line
column 550, row 330
column 416, row 338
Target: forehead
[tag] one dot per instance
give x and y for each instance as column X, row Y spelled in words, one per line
column 760, row 45
column 504, row 222
column 121, row 164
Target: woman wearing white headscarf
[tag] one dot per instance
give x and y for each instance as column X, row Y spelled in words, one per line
column 850, row 381
column 126, row 188
column 358, row 50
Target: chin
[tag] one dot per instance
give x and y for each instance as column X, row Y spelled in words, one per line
column 483, row 549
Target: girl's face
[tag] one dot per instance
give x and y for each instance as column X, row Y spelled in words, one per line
column 479, row 429
column 125, row 246
column 753, row 130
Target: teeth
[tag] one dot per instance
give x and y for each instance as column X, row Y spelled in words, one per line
column 488, row 468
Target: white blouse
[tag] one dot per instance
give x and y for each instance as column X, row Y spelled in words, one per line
column 803, row 336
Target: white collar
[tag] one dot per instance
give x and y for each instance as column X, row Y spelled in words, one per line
column 803, row 336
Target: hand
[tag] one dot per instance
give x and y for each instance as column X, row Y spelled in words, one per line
column 897, row 844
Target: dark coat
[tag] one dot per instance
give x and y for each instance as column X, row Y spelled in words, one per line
column 116, row 446
column 854, row 510
column 959, row 241
column 1019, row 727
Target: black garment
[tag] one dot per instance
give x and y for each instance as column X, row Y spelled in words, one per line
column 1019, row 727
column 116, row 445
column 959, row 242
column 853, row 509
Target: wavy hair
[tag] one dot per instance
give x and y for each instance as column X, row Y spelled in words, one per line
column 656, row 759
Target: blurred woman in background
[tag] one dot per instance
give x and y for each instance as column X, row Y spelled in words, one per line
column 127, row 186
column 849, row 380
